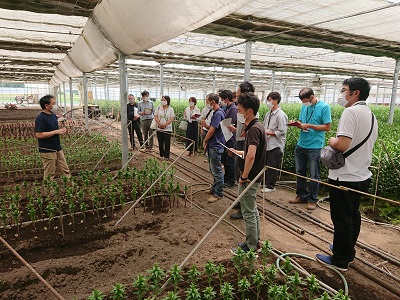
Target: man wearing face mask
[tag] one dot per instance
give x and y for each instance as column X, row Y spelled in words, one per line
column 48, row 135
column 275, row 128
column 229, row 160
column 250, row 166
column 244, row 87
column 133, row 121
column 146, row 112
column 212, row 144
column 314, row 120
column 357, row 122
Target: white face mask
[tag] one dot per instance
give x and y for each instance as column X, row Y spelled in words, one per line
column 307, row 104
column 240, row 118
column 270, row 104
column 164, row 102
column 208, row 106
column 342, row 99
column 191, row 104
column 223, row 104
column 131, row 101
column 145, row 99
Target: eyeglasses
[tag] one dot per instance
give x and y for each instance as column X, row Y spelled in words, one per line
column 344, row 90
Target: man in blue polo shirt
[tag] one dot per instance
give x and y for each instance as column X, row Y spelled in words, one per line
column 314, row 120
column 212, row 144
column 48, row 135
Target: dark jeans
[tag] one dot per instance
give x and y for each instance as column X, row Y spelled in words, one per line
column 132, row 128
column 229, row 164
column 346, row 218
column 192, row 132
column 303, row 158
column 164, row 143
column 238, row 146
column 274, row 158
column 147, row 132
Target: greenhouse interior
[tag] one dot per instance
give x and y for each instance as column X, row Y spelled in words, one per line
column 224, row 130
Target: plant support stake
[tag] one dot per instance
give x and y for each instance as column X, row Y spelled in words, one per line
column 32, row 269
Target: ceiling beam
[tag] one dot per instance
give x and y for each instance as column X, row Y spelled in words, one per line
column 285, row 33
column 82, row 8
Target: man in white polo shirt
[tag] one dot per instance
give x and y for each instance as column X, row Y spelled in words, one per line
column 355, row 124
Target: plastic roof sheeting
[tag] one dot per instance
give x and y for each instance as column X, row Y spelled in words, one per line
column 133, row 26
column 371, row 18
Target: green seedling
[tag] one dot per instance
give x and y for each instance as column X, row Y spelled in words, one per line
column 271, row 273
column 251, row 258
column 258, row 279
column 175, row 276
column 172, row 296
column 156, row 276
column 312, row 286
column 32, row 213
column 226, row 291
column 340, row 296
column 243, row 286
column 294, row 282
column 210, row 269
column 238, row 261
column 141, row 286
column 192, row 293
column 118, row 292
column 221, row 271
column 324, row 296
column 287, row 266
column 193, row 274
column 96, row 295
column 209, row 293
column 266, row 249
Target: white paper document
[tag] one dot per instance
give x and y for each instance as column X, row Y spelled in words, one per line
column 241, row 156
column 225, row 130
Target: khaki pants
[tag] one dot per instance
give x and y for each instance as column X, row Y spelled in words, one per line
column 53, row 161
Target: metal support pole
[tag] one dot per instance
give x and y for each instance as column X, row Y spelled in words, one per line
column 325, row 90
column 161, row 79
column 377, row 94
column 95, row 90
column 107, row 89
column 179, row 91
column 394, row 91
column 65, row 99
column 273, row 81
column 213, row 89
column 247, row 61
column 334, row 93
column 71, row 98
column 55, row 94
column 85, row 101
column 123, row 81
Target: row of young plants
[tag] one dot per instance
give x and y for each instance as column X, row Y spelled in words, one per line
column 247, row 276
column 97, row 194
column 22, row 159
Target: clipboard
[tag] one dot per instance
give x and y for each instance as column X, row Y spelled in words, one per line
column 231, row 151
column 294, row 124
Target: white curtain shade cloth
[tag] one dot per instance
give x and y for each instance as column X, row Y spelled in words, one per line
column 133, row 26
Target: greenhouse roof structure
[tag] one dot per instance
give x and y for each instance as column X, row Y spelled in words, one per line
column 49, row 40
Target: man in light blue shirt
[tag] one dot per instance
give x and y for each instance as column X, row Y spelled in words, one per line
column 314, row 120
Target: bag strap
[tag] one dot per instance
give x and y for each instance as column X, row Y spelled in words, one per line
column 347, row 153
column 209, row 112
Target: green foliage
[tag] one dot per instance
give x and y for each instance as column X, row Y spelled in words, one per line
column 312, row 286
column 209, row 293
column 193, row 293
column 226, row 291
column 193, row 274
column 243, row 286
column 96, row 295
column 175, row 275
column 156, row 276
column 141, row 286
column 118, row 292
column 294, row 282
column 210, row 269
column 172, row 296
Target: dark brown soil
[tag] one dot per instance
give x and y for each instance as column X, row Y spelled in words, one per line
column 98, row 254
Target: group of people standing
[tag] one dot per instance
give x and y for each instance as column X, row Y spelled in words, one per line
column 254, row 145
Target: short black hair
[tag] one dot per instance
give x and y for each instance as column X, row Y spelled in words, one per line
column 275, row 96
column 225, row 94
column 249, row 100
column 213, row 97
column 246, row 87
column 45, row 100
column 167, row 98
column 193, row 99
column 358, row 84
column 306, row 93
column 145, row 93
column 131, row 95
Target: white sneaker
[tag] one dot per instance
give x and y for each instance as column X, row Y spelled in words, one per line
column 267, row 190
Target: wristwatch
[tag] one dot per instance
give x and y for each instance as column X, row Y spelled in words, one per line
column 243, row 179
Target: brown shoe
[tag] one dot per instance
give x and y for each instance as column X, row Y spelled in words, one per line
column 297, row 200
column 213, row 198
column 311, row 205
